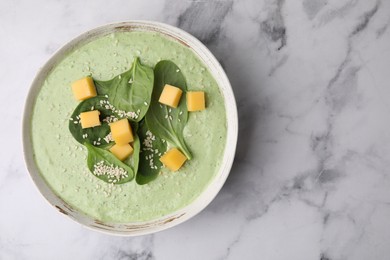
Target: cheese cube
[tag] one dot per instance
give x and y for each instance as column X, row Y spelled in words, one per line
column 84, row 88
column 173, row 159
column 170, row 96
column 121, row 151
column 121, row 132
column 196, row 101
column 90, row 119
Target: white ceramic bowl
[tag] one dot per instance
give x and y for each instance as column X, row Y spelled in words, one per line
column 139, row 228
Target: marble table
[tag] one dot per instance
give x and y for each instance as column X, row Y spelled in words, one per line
column 311, row 177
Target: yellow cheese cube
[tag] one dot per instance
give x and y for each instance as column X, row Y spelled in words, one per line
column 121, row 151
column 173, row 159
column 90, row 119
column 121, row 132
column 196, row 101
column 84, row 88
column 170, row 96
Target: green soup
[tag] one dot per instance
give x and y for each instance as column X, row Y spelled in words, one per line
column 62, row 161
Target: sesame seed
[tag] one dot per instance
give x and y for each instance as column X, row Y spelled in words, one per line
column 114, row 173
column 145, row 103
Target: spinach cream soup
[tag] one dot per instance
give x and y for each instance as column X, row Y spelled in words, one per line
column 62, row 161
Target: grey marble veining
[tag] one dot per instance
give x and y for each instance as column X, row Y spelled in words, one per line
column 311, row 174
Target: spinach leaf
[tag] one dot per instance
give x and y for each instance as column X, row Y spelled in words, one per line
column 135, row 156
column 165, row 122
column 133, row 160
column 98, row 135
column 130, row 92
column 105, row 166
column 152, row 148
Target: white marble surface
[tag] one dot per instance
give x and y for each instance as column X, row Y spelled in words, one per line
column 311, row 178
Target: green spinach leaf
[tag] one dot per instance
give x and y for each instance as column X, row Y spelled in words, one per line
column 105, row 166
column 98, row 135
column 152, row 148
column 133, row 160
column 165, row 122
column 130, row 92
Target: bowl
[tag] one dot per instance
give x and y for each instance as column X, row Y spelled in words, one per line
column 173, row 219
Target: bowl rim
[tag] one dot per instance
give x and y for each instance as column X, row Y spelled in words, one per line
column 212, row 188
